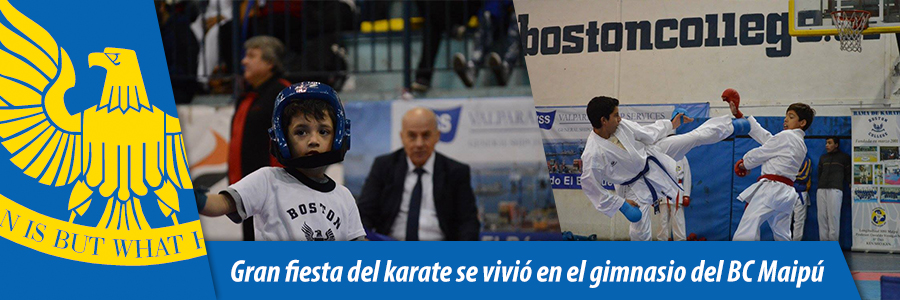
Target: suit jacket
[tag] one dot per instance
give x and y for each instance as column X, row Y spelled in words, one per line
column 454, row 199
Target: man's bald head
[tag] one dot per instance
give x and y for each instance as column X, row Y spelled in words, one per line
column 419, row 133
column 420, row 116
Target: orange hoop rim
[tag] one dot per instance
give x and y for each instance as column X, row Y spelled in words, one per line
column 853, row 15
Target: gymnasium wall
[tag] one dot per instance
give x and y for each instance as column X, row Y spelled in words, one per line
column 667, row 52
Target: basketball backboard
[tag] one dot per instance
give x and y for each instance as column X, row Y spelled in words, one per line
column 813, row 17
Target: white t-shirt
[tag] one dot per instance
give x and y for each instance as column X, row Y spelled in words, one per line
column 289, row 208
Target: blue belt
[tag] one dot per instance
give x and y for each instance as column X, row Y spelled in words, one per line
column 640, row 175
column 800, row 192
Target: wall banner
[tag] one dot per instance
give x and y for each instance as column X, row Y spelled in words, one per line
column 876, row 179
column 565, row 130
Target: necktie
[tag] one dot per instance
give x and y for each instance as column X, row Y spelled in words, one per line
column 415, row 204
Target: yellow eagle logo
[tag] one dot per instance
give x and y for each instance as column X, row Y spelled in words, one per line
column 122, row 154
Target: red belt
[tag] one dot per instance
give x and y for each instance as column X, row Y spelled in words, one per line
column 777, row 178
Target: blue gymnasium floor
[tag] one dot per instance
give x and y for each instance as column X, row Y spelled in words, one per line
column 867, row 269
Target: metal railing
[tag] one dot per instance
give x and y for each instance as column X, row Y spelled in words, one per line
column 324, row 40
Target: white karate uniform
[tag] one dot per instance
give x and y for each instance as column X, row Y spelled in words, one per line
column 800, row 217
column 800, row 207
column 618, row 160
column 672, row 211
column 772, row 201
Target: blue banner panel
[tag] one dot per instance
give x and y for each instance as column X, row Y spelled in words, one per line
column 454, row 270
column 96, row 198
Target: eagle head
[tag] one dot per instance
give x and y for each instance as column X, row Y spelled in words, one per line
column 124, row 87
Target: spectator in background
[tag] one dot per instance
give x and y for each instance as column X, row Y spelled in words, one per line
column 258, row 18
column 416, row 193
column 309, row 31
column 249, row 146
column 180, row 47
column 834, row 174
column 206, row 29
column 440, row 17
column 495, row 17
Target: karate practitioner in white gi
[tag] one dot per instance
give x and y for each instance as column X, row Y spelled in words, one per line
column 639, row 160
column 772, row 197
column 672, row 210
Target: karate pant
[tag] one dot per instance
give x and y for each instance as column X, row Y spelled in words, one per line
column 640, row 230
column 757, row 213
column 829, row 205
column 712, row 131
column 799, row 217
column 672, row 223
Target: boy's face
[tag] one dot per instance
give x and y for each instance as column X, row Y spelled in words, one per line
column 307, row 136
column 611, row 123
column 792, row 121
column 830, row 146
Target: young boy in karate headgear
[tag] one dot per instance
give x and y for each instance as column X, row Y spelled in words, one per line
column 297, row 202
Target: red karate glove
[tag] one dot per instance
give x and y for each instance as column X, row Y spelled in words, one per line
column 732, row 96
column 685, row 201
column 739, row 169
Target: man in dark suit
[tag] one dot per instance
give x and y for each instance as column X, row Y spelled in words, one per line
column 416, row 193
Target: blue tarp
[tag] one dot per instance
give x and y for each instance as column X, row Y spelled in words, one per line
column 715, row 213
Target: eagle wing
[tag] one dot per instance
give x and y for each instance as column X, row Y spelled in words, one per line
column 35, row 126
column 307, row 231
column 174, row 160
column 173, row 166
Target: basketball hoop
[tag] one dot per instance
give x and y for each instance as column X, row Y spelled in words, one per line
column 850, row 25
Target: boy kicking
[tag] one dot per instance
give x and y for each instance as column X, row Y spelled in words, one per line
column 640, row 160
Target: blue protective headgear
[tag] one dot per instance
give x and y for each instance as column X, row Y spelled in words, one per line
column 309, row 90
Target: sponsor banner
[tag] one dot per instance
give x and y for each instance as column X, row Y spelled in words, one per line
column 565, row 130
column 484, row 131
column 207, row 132
column 876, row 179
column 498, row 138
column 454, row 270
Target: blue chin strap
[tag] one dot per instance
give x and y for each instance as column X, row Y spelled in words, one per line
column 309, row 90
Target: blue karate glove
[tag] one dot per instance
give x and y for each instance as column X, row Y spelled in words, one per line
column 633, row 214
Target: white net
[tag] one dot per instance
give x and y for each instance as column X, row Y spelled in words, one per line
column 850, row 25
